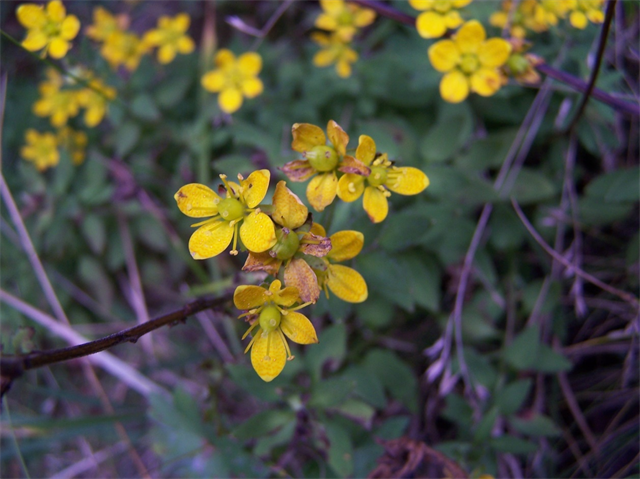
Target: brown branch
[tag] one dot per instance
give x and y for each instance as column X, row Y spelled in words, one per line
column 12, row 367
column 564, row 77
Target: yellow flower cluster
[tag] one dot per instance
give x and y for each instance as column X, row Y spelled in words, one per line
column 341, row 20
column 438, row 16
column 49, row 28
column 41, row 149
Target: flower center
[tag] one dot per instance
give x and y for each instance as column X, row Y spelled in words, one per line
column 345, row 17
column 270, row 318
column 378, row 176
column 51, row 29
column 322, row 158
column 469, row 63
column 230, row 209
column 287, row 245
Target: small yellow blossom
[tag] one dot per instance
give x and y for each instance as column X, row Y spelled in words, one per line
column 346, row 283
column 271, row 312
column 585, row 11
column 55, row 102
column 529, row 15
column 470, row 62
column 438, row 16
column 104, row 24
column 335, row 51
column 48, row 28
column 96, row 100
column 238, row 210
column 124, row 48
column 170, row 37
column 383, row 176
column 343, row 18
column 75, row 142
column 41, row 149
column 546, row 13
column 318, row 159
column 234, row 79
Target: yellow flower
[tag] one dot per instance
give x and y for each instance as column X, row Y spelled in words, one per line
column 294, row 247
column 271, row 312
column 343, row 18
column 75, row 142
column 95, row 100
column 437, row 16
column 470, row 62
column 346, row 283
column 54, row 102
column 318, row 158
column 123, row 48
column 335, row 50
column 239, row 207
column 48, row 28
column 585, row 11
column 517, row 21
column 234, row 79
column 41, row 149
column 546, row 13
column 383, row 176
column 170, row 37
column 104, row 24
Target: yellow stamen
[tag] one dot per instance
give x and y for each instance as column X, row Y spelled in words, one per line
column 286, row 345
column 249, row 330
column 234, row 251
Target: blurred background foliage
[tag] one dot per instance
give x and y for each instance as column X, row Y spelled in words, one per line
column 549, row 382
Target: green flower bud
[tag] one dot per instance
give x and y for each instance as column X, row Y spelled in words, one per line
column 322, row 158
column 517, row 64
column 287, row 245
column 230, row 209
column 270, row 318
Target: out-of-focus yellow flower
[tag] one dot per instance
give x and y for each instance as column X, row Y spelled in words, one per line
column 104, row 24
column 521, row 65
column 54, row 102
column 470, row 62
column 272, row 313
column 124, row 48
column 170, row 37
column 238, row 209
column 346, row 283
column 533, row 15
column 319, row 159
column 96, row 100
column 335, row 51
column 585, row 11
column 234, row 79
column 546, row 13
column 437, row 16
column 382, row 177
column 49, row 29
column 343, row 18
column 41, row 149
column 75, row 142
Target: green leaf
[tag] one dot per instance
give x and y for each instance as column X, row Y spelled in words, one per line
column 392, row 428
column 532, row 187
column 331, row 392
column 488, row 152
column 93, row 274
column 340, row 455
column 172, row 91
column 367, row 385
column 550, row 361
column 332, row 345
column 385, row 277
column 94, row 231
column 358, row 411
column 511, row 398
column 151, row 233
column 596, row 212
column 449, row 134
column 404, row 229
column 375, row 312
column 626, row 188
column 422, row 279
column 512, row 445
column 145, row 108
column 397, row 378
column 483, row 430
column 538, row 425
column 126, row 138
column 458, row 411
column 522, row 353
column 262, row 424
column 264, row 445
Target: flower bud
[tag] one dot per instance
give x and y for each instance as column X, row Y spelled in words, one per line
column 287, row 245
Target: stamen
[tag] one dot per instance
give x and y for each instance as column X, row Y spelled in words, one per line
column 255, row 336
column 302, row 306
column 286, row 345
column 234, row 251
column 250, row 329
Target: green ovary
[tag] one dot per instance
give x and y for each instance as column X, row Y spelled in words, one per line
column 270, row 318
column 378, row 176
column 322, row 158
column 287, row 245
column 469, row 63
column 230, row 209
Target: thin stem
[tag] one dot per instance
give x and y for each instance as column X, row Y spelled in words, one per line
column 5, row 405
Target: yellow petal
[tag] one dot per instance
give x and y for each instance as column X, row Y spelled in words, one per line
column 31, row 16
column 287, row 296
column 321, row 39
column 213, row 81
column 486, row 81
column 252, row 87
column 332, row 7
column 406, row 180
column 58, row 47
column 364, row 17
column 375, row 204
column 343, row 69
column 321, row 190
column 337, row 137
column 470, row 36
column 444, row 55
column 306, row 136
column 197, row 201
column 298, row 328
column 461, row 3
column 268, row 354
column 595, row 15
column 453, row 19
column 70, row 27
column 318, row 230
column 257, row 232
column 578, row 20
column 230, row 100
column 93, row 116
column 431, row 25
column 255, row 186
column 494, row 52
column 181, row 22
column 366, row 151
column 56, row 11
column 210, row 239
column 224, row 58
column 454, row 87
column 288, row 209
column 499, row 19
column 345, row 245
column 421, row 4
column 249, row 297
column 350, row 187
column 250, row 63
column 298, row 274
column 324, row 58
column 166, row 53
column 326, row 22
column 35, row 40
column 186, row 45
column 346, row 283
